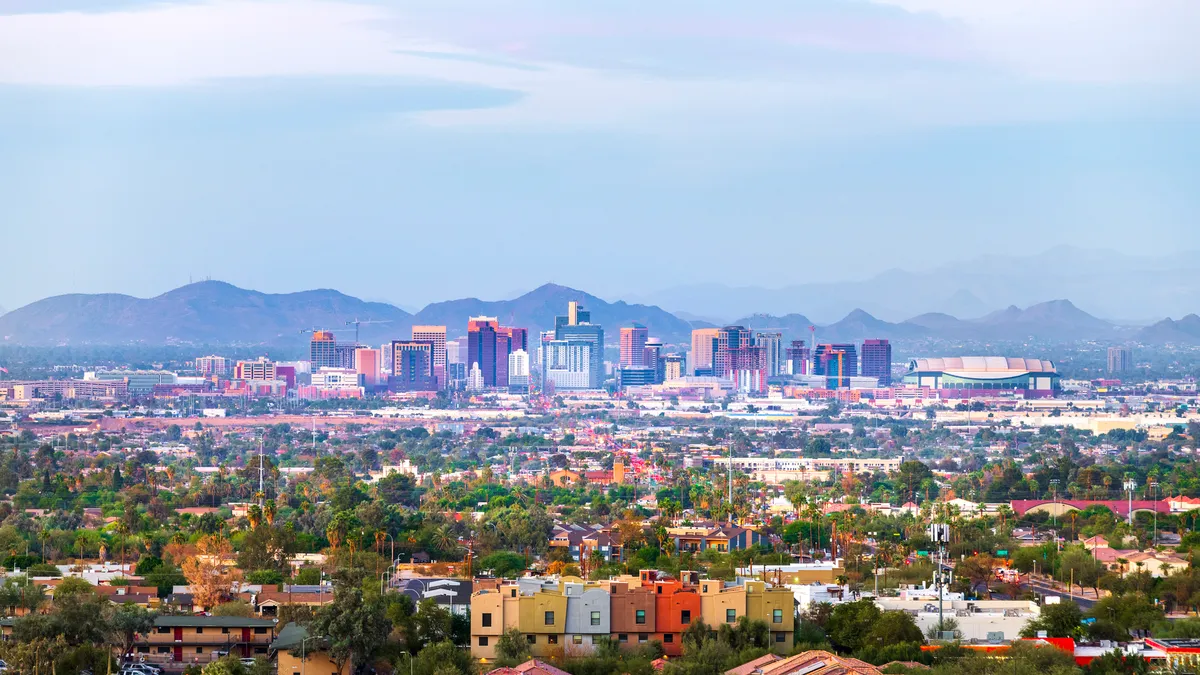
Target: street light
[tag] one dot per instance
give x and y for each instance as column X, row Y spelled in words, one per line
column 303, row 657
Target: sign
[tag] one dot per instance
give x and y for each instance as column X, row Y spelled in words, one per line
column 1002, row 552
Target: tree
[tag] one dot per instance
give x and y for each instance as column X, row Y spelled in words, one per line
column 977, row 570
column 210, row 572
column 356, row 628
column 909, row 479
column 512, row 647
column 504, row 564
column 893, row 628
column 851, row 623
column 126, row 623
column 443, row 658
column 1059, row 620
column 234, row 608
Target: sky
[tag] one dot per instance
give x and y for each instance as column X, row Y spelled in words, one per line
column 433, row 149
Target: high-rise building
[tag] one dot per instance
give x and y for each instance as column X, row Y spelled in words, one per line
column 518, row 371
column 436, row 336
column 772, row 345
column 1120, row 360
column 703, row 340
column 213, row 365
column 633, row 345
column 736, row 357
column 652, row 358
column 259, row 369
column 456, row 350
column 412, row 366
column 518, row 337
column 674, row 367
column 837, row 362
column 567, row 365
column 366, row 364
column 575, row 329
column 385, row 358
column 327, row 352
column 481, row 347
column 798, row 359
column 877, row 361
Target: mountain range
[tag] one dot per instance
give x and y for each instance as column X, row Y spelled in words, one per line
column 1119, row 287
column 214, row 312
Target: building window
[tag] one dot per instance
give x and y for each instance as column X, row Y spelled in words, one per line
column 549, row 618
column 260, row 631
column 163, row 630
column 486, row 620
column 225, row 631
column 199, row 631
column 551, row 639
column 595, row 618
column 622, row 638
column 730, row 615
column 640, row 616
column 531, row 639
column 668, row 638
column 777, row 616
column 642, row 638
column 577, row 639
column 164, row 650
column 660, row 590
column 685, row 617
column 483, row 641
column 199, row 650
column 514, row 593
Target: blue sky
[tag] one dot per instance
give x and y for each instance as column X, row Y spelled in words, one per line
column 416, row 151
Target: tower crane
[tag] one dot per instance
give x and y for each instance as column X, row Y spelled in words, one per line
column 357, row 322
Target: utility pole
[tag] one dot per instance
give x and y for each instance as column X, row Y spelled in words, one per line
column 261, row 441
column 1054, row 496
column 1130, row 484
column 1154, row 485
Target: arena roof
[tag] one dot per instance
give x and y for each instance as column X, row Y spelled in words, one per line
column 983, row 366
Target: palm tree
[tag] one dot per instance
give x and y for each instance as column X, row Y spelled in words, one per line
column 44, row 540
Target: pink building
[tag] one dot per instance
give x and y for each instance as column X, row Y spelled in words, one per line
column 366, row 362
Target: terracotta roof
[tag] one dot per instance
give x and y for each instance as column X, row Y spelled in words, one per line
column 530, row 667
column 818, row 662
column 751, row 666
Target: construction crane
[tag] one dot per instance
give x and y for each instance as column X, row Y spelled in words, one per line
column 357, row 322
column 310, row 331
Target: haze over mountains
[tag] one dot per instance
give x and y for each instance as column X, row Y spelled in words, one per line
column 214, row 312
column 1115, row 286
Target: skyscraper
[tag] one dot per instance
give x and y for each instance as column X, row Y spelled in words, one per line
column 412, row 366
column 366, row 363
column 877, row 361
column 436, row 336
column 772, row 344
column 481, row 347
column 576, row 328
column 1120, row 360
column 633, row 345
column 674, row 367
column 702, row 350
column 798, row 358
column 518, row 371
column 837, row 362
column 652, row 358
column 737, row 357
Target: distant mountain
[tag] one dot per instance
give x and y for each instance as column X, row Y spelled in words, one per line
column 1109, row 284
column 208, row 312
column 536, row 310
column 793, row 326
column 1183, row 331
column 1047, row 320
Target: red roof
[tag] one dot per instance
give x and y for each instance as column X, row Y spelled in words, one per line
column 530, row 667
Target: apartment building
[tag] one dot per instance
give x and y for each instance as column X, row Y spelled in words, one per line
column 200, row 639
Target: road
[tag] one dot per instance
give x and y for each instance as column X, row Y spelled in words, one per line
column 1045, row 588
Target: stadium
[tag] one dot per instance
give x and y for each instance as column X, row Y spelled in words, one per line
column 969, row 376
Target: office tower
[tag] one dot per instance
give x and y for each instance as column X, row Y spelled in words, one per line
column 772, row 344
column 837, row 362
column 481, row 347
column 877, row 361
column 436, row 336
column 385, row 358
column 576, row 329
column 798, row 358
column 503, row 349
column 259, row 369
column 212, row 366
column 475, row 378
column 652, row 358
column 366, row 364
column 518, row 337
column 702, row 350
column 633, row 345
column 567, row 365
column 412, row 366
column 674, row 367
column 1120, row 360
column 456, row 350
column 736, row 357
column 326, row 352
column 518, row 371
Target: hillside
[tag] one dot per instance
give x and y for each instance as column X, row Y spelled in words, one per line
column 536, row 310
column 1184, row 331
column 1047, row 320
column 207, row 312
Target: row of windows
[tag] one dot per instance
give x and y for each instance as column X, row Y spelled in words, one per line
column 685, row 617
column 622, row 638
column 166, row 630
column 199, row 650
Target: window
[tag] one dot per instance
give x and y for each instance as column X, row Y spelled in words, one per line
column 199, row 630
column 685, row 617
column 531, row 639
column 260, row 631
column 642, row 637
column 199, row 650
column 162, row 630
column 164, row 650
column 730, row 615
column 225, row 630
column 577, row 639
column 779, row 637
column 595, row 618
column 640, row 616
column 777, row 616
column 486, row 620
column 705, row 589
column 551, row 639
column 668, row 638
column 514, row 593
column 622, row 638
column 260, row 650
column 549, row 618
column 660, row 590
column 483, row 641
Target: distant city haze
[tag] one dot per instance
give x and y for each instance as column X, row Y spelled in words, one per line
column 668, row 153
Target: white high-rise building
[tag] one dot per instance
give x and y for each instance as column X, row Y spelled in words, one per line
column 772, row 344
column 475, row 378
column 566, row 364
column 385, row 359
column 518, row 371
